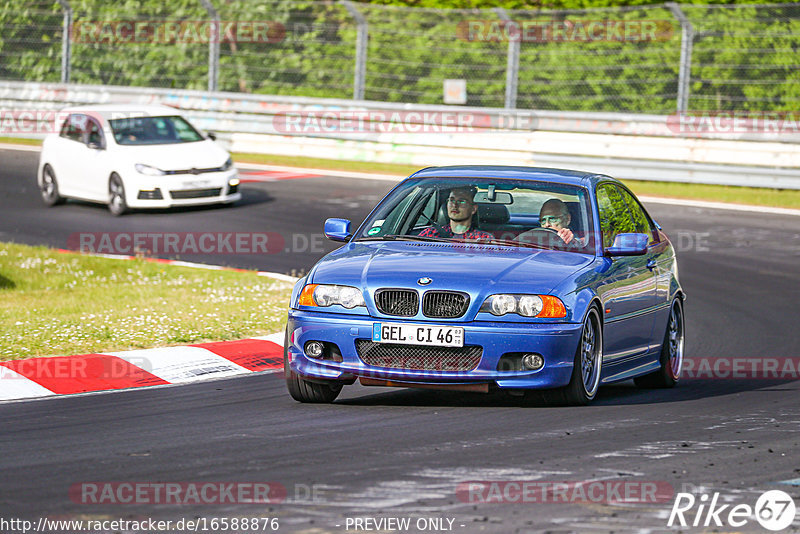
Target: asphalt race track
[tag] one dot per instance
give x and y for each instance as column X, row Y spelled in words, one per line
column 291, row 210
column 381, row 453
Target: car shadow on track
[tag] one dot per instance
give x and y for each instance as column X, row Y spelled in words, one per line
column 250, row 197
column 627, row 393
column 623, row 394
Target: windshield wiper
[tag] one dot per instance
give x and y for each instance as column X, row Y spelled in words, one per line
column 398, row 237
column 512, row 243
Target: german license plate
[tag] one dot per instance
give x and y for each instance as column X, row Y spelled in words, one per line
column 417, row 334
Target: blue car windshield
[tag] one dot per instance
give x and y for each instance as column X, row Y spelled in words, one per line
column 153, row 131
column 507, row 212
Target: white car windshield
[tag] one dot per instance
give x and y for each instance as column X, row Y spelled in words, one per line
column 153, row 131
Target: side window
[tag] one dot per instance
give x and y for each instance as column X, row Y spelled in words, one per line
column 95, row 133
column 638, row 215
column 394, row 220
column 74, row 127
column 614, row 216
column 428, row 213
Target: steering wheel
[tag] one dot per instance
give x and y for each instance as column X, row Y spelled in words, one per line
column 546, row 230
column 439, row 228
column 546, row 237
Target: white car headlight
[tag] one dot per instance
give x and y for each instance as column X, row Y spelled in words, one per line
column 529, row 305
column 502, row 304
column 525, row 305
column 148, row 170
column 228, row 165
column 324, row 295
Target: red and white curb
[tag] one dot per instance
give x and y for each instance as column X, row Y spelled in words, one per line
column 66, row 375
column 271, row 175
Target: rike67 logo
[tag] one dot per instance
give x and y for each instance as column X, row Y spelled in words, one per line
column 774, row 510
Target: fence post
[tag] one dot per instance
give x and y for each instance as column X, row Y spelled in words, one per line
column 362, row 35
column 213, row 46
column 512, row 60
column 687, row 43
column 66, row 43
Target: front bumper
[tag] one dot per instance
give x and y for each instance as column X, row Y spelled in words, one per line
column 181, row 190
column 556, row 342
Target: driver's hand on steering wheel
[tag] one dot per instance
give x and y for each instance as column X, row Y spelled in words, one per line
column 565, row 234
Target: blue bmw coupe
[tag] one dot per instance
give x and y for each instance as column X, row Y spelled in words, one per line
column 546, row 281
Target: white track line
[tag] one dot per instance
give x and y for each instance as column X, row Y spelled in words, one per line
column 718, row 205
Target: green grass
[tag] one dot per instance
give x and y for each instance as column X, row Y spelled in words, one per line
column 20, row 141
column 330, row 164
column 779, row 198
column 776, row 198
column 55, row 303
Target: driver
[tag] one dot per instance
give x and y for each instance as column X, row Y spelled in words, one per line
column 460, row 209
column 555, row 216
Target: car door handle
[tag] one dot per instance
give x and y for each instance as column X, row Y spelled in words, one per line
column 651, row 264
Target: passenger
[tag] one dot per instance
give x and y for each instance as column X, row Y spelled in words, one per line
column 460, row 209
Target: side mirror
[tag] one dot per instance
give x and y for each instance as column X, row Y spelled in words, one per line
column 94, row 145
column 337, row 229
column 211, row 135
column 628, row 245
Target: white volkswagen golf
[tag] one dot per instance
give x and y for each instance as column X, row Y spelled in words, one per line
column 134, row 157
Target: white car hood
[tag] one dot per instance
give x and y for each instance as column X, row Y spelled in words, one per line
column 204, row 154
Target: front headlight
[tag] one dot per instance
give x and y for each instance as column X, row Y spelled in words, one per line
column 324, row 295
column 148, row 170
column 544, row 306
column 228, row 165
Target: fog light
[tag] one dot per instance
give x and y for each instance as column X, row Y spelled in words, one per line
column 532, row 361
column 315, row 349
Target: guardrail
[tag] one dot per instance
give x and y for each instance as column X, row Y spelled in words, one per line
column 628, row 146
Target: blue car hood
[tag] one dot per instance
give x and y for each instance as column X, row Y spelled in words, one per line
column 476, row 269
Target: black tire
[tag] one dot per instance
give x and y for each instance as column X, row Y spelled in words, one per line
column 672, row 347
column 303, row 390
column 116, row 196
column 49, row 187
column 586, row 369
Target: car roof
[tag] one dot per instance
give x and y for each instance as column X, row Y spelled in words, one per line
column 546, row 174
column 116, row 111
